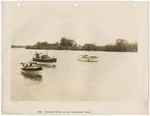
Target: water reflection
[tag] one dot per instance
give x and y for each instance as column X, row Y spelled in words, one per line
column 32, row 77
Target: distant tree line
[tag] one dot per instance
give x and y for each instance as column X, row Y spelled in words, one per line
column 120, row 45
column 17, row 46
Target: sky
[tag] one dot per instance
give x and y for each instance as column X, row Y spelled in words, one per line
column 88, row 22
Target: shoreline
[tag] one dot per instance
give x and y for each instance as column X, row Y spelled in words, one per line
column 79, row 50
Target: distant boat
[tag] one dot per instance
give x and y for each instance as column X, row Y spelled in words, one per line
column 43, row 58
column 31, row 69
column 86, row 58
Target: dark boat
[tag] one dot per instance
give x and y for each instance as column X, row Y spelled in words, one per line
column 44, row 58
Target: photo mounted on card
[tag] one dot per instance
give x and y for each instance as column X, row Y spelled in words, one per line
column 67, row 57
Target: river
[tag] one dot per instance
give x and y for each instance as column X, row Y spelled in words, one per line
column 112, row 78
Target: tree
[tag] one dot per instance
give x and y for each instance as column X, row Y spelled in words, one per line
column 42, row 45
column 89, row 47
column 66, row 43
column 121, row 45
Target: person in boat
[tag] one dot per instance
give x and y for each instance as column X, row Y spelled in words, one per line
column 25, row 65
column 30, row 64
column 37, row 55
column 42, row 57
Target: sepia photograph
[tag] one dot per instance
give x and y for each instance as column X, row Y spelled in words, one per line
column 75, row 52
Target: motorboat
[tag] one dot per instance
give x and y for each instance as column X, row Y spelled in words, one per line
column 31, row 69
column 43, row 59
column 86, row 58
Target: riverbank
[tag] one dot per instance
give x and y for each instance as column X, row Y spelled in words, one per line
column 121, row 45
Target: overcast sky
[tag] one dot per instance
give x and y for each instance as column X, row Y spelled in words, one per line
column 89, row 22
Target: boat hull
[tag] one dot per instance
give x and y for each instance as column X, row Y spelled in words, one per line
column 32, row 68
column 88, row 59
column 45, row 60
column 49, row 64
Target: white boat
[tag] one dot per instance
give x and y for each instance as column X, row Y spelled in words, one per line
column 31, row 69
column 86, row 58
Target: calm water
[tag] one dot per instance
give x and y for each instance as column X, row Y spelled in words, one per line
column 112, row 78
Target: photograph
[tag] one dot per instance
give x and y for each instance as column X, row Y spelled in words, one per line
column 67, row 51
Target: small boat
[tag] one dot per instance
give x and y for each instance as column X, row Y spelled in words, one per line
column 31, row 69
column 43, row 58
column 86, row 58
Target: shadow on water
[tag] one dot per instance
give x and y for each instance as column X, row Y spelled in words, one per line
column 32, row 77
